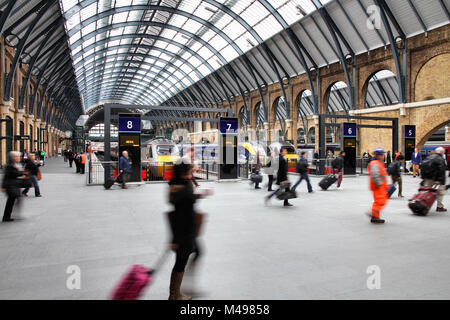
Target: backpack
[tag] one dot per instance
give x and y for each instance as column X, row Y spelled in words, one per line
column 391, row 169
column 300, row 167
column 427, row 168
column 335, row 163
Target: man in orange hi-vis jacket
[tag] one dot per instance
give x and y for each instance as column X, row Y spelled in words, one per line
column 82, row 162
column 378, row 185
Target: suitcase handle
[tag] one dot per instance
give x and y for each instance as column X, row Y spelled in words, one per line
column 159, row 262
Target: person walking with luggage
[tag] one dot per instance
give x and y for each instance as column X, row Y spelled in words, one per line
column 184, row 225
column 124, row 168
column 32, row 167
column 282, row 179
column 302, row 170
column 433, row 173
column 394, row 171
column 12, row 182
column 378, row 185
column 270, row 169
column 416, row 160
column 338, row 167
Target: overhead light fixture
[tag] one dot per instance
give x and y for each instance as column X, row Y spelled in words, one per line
column 185, row 37
column 250, row 42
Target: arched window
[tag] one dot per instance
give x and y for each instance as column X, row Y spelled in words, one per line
column 338, row 98
column 382, row 89
column 305, row 105
column 244, row 120
column 301, row 137
column 22, row 133
column 312, row 135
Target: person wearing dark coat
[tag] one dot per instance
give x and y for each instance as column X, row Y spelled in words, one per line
column 70, row 157
column 394, row 171
column 183, row 225
column 12, row 182
column 282, row 179
column 338, row 167
column 437, row 176
column 32, row 167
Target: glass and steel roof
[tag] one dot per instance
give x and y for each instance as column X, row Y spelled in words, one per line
column 143, row 51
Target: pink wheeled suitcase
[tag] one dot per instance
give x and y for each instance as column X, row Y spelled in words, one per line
column 136, row 279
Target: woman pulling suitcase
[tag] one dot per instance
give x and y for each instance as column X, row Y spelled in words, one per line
column 184, row 223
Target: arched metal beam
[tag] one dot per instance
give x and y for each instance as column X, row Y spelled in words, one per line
column 20, row 47
column 169, row 41
column 31, row 66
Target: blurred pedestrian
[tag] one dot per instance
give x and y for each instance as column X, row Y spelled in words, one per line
column 270, row 169
column 184, row 224
column 282, row 178
column 394, row 171
column 302, row 170
column 32, row 167
column 378, row 185
column 12, row 182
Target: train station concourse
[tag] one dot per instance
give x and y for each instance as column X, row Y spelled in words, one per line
column 225, row 150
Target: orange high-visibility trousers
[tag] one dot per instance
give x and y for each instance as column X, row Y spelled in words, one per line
column 380, row 199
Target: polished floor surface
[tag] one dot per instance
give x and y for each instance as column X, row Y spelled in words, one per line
column 321, row 248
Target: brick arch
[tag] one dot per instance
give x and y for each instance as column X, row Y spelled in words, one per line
column 435, row 78
column 435, row 119
column 365, row 86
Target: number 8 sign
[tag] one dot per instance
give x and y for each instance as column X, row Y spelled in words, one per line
column 128, row 124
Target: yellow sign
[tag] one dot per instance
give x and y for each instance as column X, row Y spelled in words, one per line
column 129, row 140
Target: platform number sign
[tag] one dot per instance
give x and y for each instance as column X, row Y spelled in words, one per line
column 350, row 130
column 129, row 124
column 410, row 132
column 228, row 125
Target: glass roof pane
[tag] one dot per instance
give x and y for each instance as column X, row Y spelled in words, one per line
column 163, row 55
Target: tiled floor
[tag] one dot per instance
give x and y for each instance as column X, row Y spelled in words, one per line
column 318, row 249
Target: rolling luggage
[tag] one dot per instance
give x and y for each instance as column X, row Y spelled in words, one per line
column 391, row 190
column 110, row 182
column 422, row 202
column 326, row 182
column 135, row 280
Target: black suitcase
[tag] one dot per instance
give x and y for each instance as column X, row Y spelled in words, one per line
column 108, row 184
column 256, row 178
column 326, row 182
column 287, row 195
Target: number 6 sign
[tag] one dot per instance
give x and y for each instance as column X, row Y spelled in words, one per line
column 349, row 130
